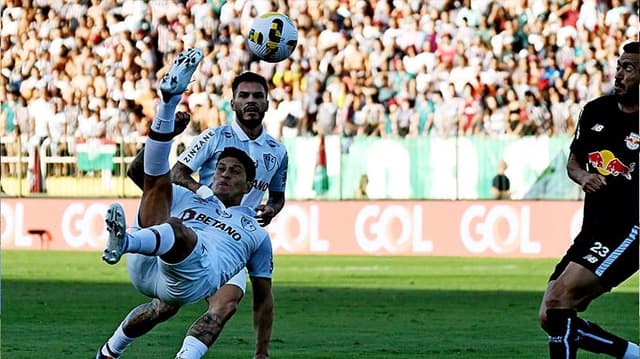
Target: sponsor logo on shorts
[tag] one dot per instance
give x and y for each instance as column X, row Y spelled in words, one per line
column 556, row 339
column 590, row 258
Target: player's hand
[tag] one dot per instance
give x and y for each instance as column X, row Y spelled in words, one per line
column 264, row 214
column 182, row 120
column 592, row 182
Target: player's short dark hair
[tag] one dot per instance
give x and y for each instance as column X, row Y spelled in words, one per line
column 249, row 76
column 632, row 48
column 243, row 157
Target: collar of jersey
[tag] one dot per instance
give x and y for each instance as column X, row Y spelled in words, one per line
column 243, row 209
column 217, row 200
column 242, row 136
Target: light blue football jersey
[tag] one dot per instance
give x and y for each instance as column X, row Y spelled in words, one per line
column 236, row 238
column 269, row 155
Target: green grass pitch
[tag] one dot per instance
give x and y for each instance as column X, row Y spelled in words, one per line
column 65, row 304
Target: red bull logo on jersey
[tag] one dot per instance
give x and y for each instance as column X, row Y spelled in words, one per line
column 632, row 141
column 608, row 164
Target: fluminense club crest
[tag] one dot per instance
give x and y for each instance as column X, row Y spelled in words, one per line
column 269, row 161
column 247, row 224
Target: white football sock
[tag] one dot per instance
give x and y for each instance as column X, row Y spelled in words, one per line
column 192, row 348
column 633, row 352
column 155, row 240
column 156, row 157
column 117, row 343
column 165, row 118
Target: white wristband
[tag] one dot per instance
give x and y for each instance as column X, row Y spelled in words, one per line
column 204, row 192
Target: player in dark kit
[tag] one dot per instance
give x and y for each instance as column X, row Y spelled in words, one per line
column 604, row 162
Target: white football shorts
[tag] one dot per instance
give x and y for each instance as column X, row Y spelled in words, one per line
column 193, row 279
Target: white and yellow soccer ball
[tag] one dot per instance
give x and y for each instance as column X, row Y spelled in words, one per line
column 272, row 37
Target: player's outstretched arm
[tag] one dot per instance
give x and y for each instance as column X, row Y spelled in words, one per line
column 263, row 304
column 181, row 175
column 275, row 203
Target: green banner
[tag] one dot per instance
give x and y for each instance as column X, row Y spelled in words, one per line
column 429, row 168
column 95, row 156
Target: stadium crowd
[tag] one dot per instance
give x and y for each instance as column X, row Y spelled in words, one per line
column 85, row 69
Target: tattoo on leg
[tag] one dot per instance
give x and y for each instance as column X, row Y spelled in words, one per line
column 140, row 320
column 207, row 328
column 146, row 316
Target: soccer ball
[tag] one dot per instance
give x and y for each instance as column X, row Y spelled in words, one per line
column 272, row 37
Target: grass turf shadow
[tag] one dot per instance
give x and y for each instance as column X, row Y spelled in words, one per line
column 71, row 319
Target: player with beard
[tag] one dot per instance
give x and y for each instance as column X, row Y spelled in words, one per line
column 603, row 160
column 250, row 103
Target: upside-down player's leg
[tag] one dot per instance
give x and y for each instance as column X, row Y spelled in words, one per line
column 135, row 171
column 204, row 331
column 155, row 204
column 138, row 322
column 146, row 274
column 164, row 236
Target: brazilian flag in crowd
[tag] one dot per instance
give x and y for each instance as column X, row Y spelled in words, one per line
column 320, row 178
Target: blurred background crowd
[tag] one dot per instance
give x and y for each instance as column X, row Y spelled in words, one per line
column 77, row 70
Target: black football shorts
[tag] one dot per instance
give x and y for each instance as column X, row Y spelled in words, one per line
column 613, row 257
